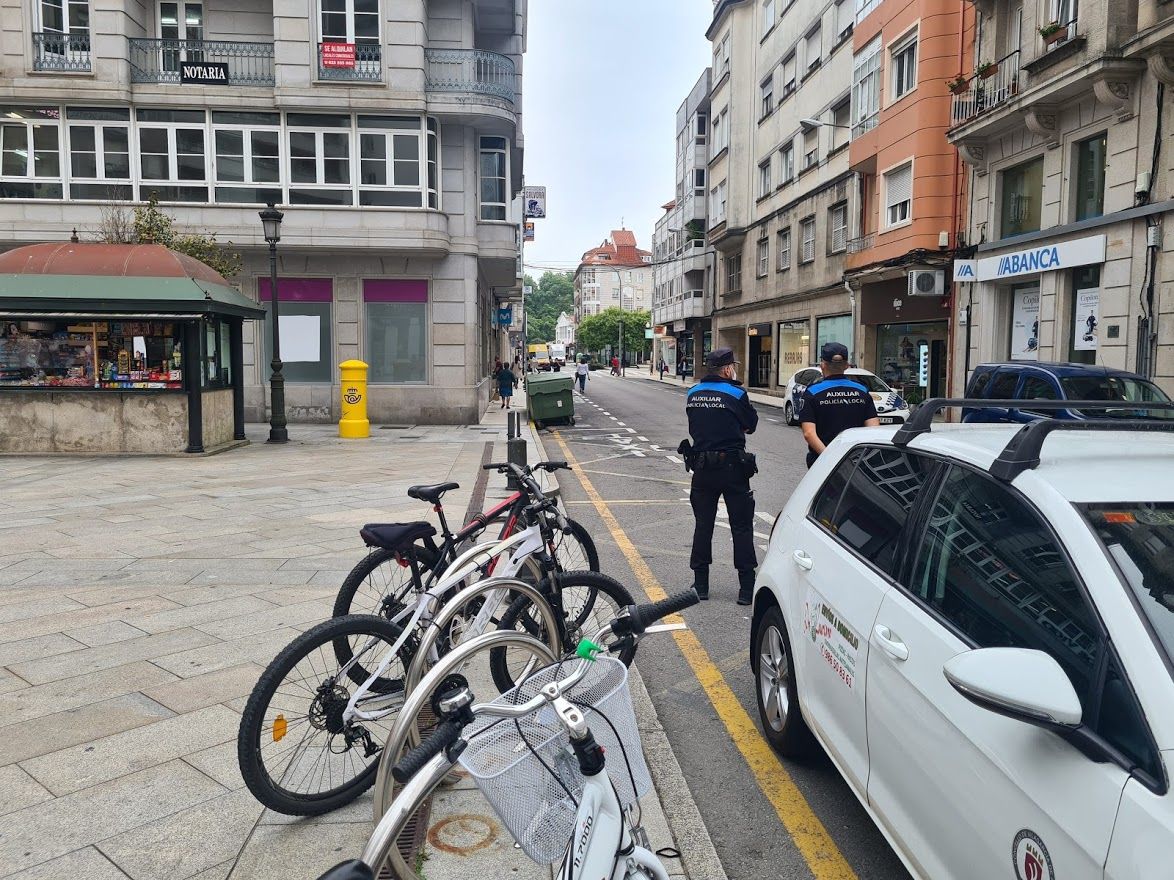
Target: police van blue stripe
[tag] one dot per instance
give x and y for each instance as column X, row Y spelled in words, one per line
column 732, row 390
column 825, row 384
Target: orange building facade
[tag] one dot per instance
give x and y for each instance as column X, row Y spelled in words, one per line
column 912, row 183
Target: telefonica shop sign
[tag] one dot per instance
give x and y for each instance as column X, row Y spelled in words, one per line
column 1049, row 258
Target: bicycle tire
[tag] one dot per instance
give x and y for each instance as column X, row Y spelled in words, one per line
column 358, row 586
column 519, row 616
column 345, row 749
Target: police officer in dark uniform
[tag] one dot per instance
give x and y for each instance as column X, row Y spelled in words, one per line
column 834, row 404
column 720, row 416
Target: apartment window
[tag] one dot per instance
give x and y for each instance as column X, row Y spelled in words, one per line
column 837, row 228
column 767, row 96
column 30, row 153
column 1064, row 11
column 903, row 64
column 1022, row 193
column 172, row 155
column 898, row 194
column 841, row 124
column 319, row 159
column 864, row 7
column 494, row 191
column 807, row 244
column 721, row 58
column 813, row 49
column 721, row 131
column 734, row 273
column 764, row 179
column 717, row 198
column 99, row 153
column 845, row 17
column 698, row 181
column 390, row 161
column 787, row 162
column 702, row 128
column 352, row 21
column 180, row 22
column 397, row 331
column 866, row 83
column 768, row 15
column 248, row 157
column 65, row 35
column 763, row 256
column 788, row 74
column 433, row 162
column 1090, row 177
column 784, row 258
column 810, row 149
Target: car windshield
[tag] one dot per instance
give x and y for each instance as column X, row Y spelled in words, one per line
column 1140, row 539
column 1121, row 388
column 869, row 381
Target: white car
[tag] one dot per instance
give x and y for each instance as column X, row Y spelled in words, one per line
column 981, row 637
column 890, row 406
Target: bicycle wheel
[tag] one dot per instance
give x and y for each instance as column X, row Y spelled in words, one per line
column 608, row 597
column 575, row 550
column 296, row 753
column 380, row 584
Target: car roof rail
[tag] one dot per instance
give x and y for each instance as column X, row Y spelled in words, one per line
column 921, row 421
column 1022, row 453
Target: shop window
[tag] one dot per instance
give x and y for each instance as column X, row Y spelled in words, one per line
column 834, row 329
column 30, row 153
column 1090, row 177
column 248, row 157
column 99, row 153
column 216, row 354
column 1021, row 198
column 899, row 361
column 494, row 179
column 784, row 258
column 397, row 331
column 807, row 246
column 899, row 195
column 307, row 319
column 794, row 347
column 763, row 257
column 1084, row 305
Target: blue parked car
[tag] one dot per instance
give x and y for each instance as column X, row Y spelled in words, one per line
column 1057, row 381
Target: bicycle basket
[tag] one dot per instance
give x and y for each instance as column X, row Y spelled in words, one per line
column 505, row 757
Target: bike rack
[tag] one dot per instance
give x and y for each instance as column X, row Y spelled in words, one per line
column 405, row 722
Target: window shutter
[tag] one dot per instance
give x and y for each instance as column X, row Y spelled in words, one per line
column 845, row 16
column 813, row 49
column 789, row 73
column 899, row 186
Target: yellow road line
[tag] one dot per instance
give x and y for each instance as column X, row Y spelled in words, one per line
column 812, row 840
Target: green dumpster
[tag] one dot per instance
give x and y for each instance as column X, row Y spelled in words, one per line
column 549, row 398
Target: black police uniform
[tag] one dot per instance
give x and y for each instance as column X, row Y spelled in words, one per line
column 833, row 406
column 720, row 416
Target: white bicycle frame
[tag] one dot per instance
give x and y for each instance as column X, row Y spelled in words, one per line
column 520, row 546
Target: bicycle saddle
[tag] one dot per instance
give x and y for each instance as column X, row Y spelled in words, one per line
column 392, row 536
column 352, row 870
column 431, row 494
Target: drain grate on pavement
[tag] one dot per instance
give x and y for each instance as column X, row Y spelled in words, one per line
column 412, row 839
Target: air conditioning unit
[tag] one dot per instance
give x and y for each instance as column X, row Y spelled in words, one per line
column 927, row 282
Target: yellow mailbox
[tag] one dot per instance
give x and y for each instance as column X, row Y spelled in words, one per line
column 354, row 424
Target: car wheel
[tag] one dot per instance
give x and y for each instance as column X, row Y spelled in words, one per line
column 778, row 697
column 789, row 413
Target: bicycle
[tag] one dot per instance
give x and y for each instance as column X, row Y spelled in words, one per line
column 350, row 671
column 539, row 763
column 404, row 557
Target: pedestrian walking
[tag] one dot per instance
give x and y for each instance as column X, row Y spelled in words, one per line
column 662, row 368
column 834, row 404
column 615, row 365
column 493, row 395
column 582, row 373
column 506, row 382
column 681, row 368
column 720, row 416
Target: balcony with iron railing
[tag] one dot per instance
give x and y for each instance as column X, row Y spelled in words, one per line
column 66, row 53
column 350, row 62
column 982, row 93
column 176, row 61
column 471, row 71
column 861, row 243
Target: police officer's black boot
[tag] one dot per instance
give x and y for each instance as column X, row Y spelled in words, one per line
column 701, row 582
column 745, row 587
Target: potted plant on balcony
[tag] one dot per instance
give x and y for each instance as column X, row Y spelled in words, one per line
column 987, row 69
column 1053, row 32
column 958, row 85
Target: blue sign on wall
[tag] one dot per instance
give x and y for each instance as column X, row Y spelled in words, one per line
column 505, row 316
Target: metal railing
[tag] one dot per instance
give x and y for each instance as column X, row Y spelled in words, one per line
column 161, row 61
column 68, row 52
column 366, row 66
column 860, row 243
column 983, row 94
column 471, row 70
column 865, row 125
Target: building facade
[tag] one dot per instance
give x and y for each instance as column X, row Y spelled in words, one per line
column 912, row 188
column 616, row 267
column 781, row 199
column 682, row 298
column 390, row 132
column 564, row 329
column 1067, row 139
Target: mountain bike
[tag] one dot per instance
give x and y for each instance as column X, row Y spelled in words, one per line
column 404, row 557
column 334, row 691
column 541, row 756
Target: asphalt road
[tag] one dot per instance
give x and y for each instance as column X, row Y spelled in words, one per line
column 625, row 439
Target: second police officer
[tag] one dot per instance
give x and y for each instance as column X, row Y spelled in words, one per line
column 720, row 416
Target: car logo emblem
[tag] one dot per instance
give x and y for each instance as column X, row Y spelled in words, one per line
column 1031, row 858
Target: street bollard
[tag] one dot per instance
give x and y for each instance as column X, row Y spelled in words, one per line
column 354, row 424
column 515, row 446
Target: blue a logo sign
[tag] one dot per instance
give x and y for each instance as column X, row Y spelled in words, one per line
column 966, row 272
column 1029, row 261
column 505, row 316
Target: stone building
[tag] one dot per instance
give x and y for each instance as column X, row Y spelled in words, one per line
column 616, row 265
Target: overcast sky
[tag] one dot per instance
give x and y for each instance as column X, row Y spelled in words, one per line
column 602, row 82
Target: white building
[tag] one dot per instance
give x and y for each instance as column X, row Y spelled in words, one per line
column 564, row 329
column 616, row 266
column 372, row 124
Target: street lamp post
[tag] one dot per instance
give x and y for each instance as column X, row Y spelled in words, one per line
column 271, row 223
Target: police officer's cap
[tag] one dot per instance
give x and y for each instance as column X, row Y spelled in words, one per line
column 720, row 357
column 833, row 353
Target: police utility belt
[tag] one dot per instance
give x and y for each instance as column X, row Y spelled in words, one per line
column 744, row 461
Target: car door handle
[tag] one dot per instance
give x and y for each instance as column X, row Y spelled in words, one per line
column 802, row 560
column 891, row 644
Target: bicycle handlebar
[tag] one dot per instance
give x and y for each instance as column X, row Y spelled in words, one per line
column 638, row 618
column 444, row 736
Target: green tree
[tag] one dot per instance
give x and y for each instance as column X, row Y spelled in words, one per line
column 597, row 332
column 152, row 226
column 553, row 294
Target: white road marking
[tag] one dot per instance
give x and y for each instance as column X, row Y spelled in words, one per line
column 756, row 534
column 643, row 440
column 769, row 419
column 765, row 517
column 621, row 424
column 674, row 460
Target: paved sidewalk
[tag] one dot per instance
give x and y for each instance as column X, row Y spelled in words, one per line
column 140, row 599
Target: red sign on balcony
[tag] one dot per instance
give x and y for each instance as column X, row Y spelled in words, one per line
column 338, row 55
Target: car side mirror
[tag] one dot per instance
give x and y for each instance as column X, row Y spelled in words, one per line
column 1026, row 685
